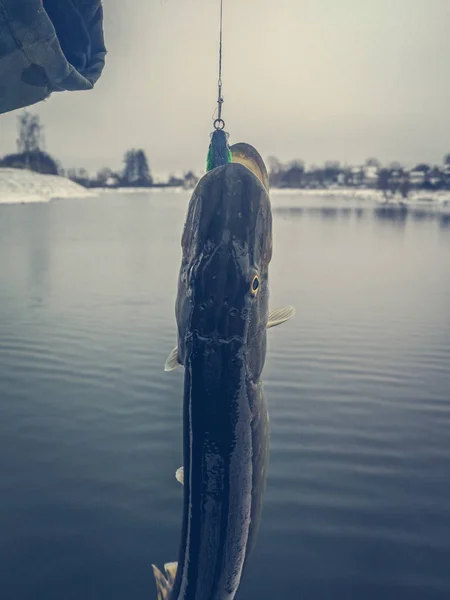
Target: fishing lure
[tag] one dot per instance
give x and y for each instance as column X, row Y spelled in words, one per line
column 219, row 152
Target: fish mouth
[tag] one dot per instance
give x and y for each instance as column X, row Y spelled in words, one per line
column 230, row 205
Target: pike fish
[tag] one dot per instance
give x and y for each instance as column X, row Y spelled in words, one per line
column 222, row 314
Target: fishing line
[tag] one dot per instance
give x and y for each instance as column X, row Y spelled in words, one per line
column 219, row 153
column 219, row 123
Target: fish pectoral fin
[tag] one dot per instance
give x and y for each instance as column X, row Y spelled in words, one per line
column 164, row 583
column 172, row 360
column 280, row 315
column 179, row 475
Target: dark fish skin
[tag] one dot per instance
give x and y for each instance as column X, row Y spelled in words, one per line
column 227, row 240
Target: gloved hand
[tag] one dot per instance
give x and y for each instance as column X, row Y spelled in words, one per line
column 48, row 46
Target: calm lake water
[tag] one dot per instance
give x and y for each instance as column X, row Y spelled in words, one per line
column 358, row 385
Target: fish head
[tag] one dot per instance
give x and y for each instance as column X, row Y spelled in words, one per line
column 227, row 246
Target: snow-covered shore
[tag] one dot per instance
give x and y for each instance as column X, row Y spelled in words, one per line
column 432, row 202
column 440, row 197
column 19, row 186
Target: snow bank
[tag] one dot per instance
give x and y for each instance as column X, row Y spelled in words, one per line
column 145, row 190
column 22, row 186
column 439, row 198
column 438, row 202
column 331, row 192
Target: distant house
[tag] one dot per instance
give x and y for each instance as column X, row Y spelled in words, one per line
column 416, row 177
column 418, row 174
column 436, row 177
column 342, row 178
column 427, row 177
column 112, row 181
column 371, row 174
column 359, row 175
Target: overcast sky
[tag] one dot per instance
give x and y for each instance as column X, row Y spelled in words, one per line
column 309, row 79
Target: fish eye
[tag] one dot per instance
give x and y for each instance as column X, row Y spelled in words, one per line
column 254, row 285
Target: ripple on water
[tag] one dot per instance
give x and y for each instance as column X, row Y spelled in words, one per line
column 90, row 424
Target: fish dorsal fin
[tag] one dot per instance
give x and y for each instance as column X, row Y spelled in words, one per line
column 179, row 475
column 164, row 583
column 280, row 315
column 172, row 360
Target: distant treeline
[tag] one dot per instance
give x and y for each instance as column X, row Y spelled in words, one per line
column 389, row 179
column 136, row 173
column 30, row 155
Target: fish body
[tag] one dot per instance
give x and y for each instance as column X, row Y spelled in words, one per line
column 222, row 316
column 224, row 476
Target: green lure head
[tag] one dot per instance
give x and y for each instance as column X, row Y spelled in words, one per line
column 219, row 153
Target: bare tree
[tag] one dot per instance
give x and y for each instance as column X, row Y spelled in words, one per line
column 373, row 162
column 30, row 133
column 275, row 165
column 297, row 164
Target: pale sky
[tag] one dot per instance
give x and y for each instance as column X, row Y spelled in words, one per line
column 311, row 79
